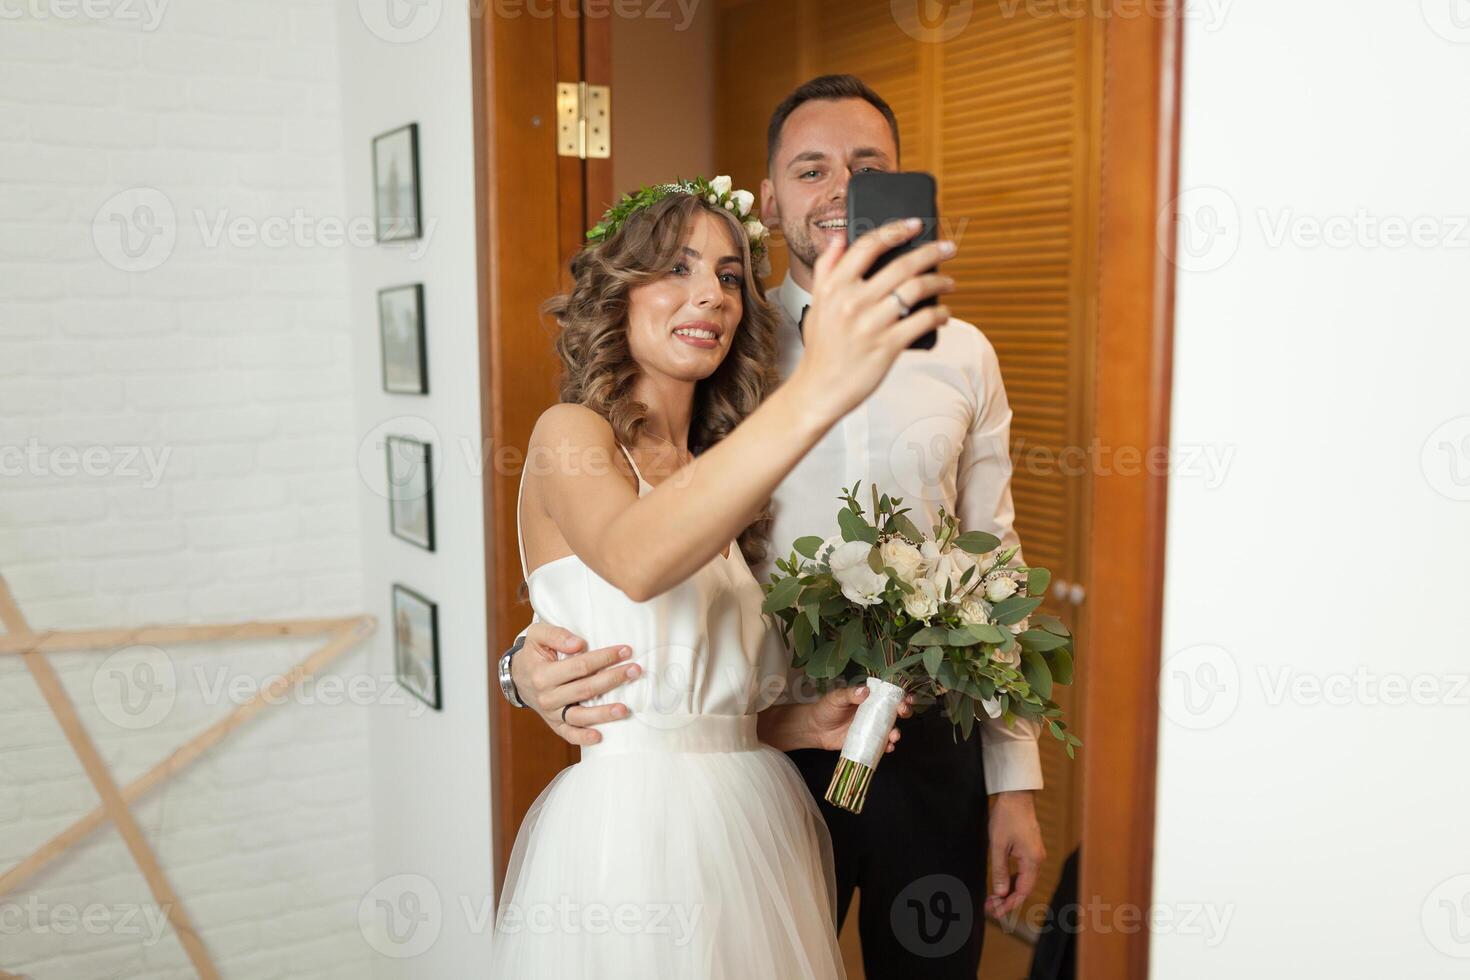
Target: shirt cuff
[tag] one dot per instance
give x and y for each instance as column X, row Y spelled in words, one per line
column 1011, row 757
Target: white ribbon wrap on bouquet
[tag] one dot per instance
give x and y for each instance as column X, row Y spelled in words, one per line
column 867, row 736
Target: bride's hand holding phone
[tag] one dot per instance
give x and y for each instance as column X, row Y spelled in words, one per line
column 855, row 328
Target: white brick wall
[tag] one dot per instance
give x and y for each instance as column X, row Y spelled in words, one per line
column 213, row 393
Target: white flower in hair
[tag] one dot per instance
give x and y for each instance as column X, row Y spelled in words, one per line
column 743, row 200
column 721, row 185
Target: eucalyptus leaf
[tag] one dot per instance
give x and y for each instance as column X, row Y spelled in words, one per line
column 834, row 605
column 1041, row 641
column 1038, row 674
column 868, row 658
column 933, row 657
column 1038, row 580
column 815, row 618
column 854, row 528
column 906, row 527
column 1009, row 612
column 928, row 636
column 977, row 542
column 1051, row 624
column 1060, row 660
column 801, row 636
column 875, row 559
column 782, row 595
column 807, row 546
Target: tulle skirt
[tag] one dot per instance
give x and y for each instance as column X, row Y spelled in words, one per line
column 687, row 851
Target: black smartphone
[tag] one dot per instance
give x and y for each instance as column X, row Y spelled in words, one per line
column 875, row 198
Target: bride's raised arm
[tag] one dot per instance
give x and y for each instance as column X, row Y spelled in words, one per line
column 647, row 545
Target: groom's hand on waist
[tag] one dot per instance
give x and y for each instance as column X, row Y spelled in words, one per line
column 548, row 683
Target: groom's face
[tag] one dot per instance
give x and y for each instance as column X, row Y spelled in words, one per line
column 823, row 143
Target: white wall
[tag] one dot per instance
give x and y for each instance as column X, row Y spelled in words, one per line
column 431, row 772
column 1312, row 787
column 206, row 385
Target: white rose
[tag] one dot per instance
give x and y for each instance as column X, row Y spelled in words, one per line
column 714, row 199
column 972, row 612
column 960, row 561
column 1018, row 628
column 903, row 558
column 1009, row 659
column 859, row 582
column 1000, row 588
column 743, row 201
column 923, row 602
column 720, row 185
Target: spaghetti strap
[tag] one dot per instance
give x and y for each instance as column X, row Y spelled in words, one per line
column 521, row 538
column 636, row 472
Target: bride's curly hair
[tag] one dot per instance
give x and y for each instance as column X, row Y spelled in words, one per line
column 598, row 365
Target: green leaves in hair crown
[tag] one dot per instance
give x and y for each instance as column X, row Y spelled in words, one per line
column 717, row 192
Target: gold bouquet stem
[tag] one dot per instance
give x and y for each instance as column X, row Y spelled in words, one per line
column 849, row 787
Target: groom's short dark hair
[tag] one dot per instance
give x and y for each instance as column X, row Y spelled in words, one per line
column 829, row 87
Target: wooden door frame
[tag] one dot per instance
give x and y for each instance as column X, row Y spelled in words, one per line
column 531, row 217
column 522, row 229
column 1124, row 609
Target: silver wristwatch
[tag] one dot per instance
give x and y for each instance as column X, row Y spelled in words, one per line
column 507, row 684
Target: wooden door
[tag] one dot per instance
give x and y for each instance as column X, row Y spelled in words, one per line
column 1004, row 113
column 535, row 207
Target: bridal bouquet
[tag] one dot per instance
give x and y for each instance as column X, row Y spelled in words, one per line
column 945, row 616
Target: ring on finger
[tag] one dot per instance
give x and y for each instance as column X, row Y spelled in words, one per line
column 565, row 709
column 903, row 308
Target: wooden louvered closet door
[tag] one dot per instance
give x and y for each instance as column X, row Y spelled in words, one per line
column 1003, row 114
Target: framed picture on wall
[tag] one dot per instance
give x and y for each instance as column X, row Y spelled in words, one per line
column 416, row 645
column 401, row 325
column 411, row 490
column 396, row 184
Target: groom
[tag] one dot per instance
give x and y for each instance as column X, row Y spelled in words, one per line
column 936, row 432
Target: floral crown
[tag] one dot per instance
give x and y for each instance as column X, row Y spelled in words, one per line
column 717, row 192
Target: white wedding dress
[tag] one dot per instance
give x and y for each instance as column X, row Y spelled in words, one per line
column 679, row 846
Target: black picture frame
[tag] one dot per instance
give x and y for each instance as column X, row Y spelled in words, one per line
column 389, row 348
column 414, row 612
column 401, row 144
column 411, row 491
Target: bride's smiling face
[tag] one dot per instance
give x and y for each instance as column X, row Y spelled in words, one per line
column 682, row 324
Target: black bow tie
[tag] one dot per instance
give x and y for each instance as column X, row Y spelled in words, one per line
column 801, row 323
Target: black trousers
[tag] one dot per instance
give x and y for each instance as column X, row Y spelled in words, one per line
column 917, row 852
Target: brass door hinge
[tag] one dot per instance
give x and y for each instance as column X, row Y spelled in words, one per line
column 583, row 120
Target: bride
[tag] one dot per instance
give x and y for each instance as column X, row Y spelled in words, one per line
column 684, row 843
